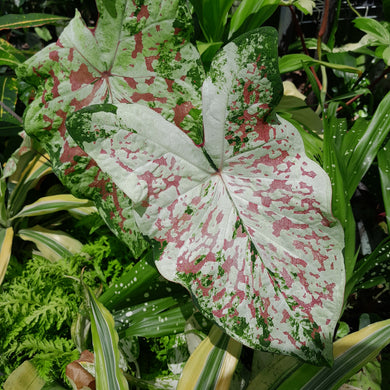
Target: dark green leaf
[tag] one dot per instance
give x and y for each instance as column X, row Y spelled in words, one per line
column 368, row 146
column 12, row 21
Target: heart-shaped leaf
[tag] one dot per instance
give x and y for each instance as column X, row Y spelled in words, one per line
column 137, row 53
column 245, row 219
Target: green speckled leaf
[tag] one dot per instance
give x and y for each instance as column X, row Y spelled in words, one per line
column 244, row 219
column 136, row 54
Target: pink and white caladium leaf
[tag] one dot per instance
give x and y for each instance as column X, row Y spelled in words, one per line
column 139, row 52
column 244, row 219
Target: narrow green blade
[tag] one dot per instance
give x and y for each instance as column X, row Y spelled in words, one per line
column 384, row 171
column 369, row 145
column 105, row 345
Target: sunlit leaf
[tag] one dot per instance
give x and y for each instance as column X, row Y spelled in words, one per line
column 6, row 238
column 52, row 244
column 136, row 54
column 245, row 220
column 212, row 364
column 52, row 204
column 351, row 353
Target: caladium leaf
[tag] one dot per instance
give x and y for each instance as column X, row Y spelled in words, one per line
column 245, row 219
column 137, row 53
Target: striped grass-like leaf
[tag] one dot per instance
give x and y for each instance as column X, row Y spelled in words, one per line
column 351, row 353
column 380, row 255
column 369, row 145
column 105, row 345
column 384, row 171
column 12, row 21
column 26, row 177
column 52, row 204
column 8, row 96
column 212, row 364
column 10, row 56
column 334, row 165
column 53, row 244
column 6, row 238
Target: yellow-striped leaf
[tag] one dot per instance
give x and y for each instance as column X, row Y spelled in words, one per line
column 105, row 346
column 53, row 244
column 212, row 364
column 351, row 353
column 6, row 238
column 25, row 377
column 9, row 55
column 12, row 21
column 52, row 204
column 27, row 173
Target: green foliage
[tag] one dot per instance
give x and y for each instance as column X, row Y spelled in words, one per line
column 39, row 305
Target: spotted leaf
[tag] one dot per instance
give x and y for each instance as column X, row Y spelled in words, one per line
column 136, row 54
column 244, row 220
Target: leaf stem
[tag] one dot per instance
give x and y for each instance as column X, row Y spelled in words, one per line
column 302, row 39
column 11, row 112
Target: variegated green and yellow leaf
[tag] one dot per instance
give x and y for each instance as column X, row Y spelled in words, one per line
column 29, row 170
column 6, row 238
column 53, row 244
column 80, row 212
column 52, row 204
column 24, row 377
column 105, row 346
column 351, row 353
column 212, row 364
column 9, row 55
